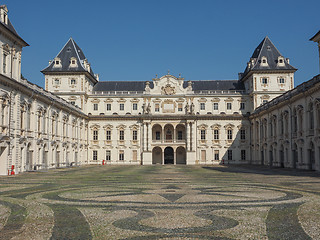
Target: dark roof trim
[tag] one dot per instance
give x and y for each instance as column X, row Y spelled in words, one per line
column 315, row 36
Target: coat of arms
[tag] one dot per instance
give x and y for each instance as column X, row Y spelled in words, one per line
column 168, row 90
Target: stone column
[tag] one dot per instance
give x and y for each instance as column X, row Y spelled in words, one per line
column 187, row 136
column 149, row 136
column 144, row 136
column 162, row 159
column 174, row 156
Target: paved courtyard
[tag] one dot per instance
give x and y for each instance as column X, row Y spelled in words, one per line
column 161, row 202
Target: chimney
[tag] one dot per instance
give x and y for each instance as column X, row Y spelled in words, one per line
column 4, row 14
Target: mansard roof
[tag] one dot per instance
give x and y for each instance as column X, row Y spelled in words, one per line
column 266, row 49
column 70, row 50
column 197, row 85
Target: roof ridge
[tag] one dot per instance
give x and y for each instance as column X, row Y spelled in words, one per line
column 73, row 43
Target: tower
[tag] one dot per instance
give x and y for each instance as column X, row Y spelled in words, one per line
column 70, row 75
column 268, row 74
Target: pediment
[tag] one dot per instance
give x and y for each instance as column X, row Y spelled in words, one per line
column 168, row 85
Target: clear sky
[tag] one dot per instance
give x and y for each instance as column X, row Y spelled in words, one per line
column 137, row 39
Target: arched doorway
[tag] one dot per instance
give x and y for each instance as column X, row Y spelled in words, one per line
column 29, row 158
column 156, row 155
column 181, row 155
column 168, row 155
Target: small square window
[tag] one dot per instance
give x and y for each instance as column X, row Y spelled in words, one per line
column 95, row 106
column 73, row 62
column 281, row 80
column 135, row 106
column 73, row 102
column 57, row 62
column 121, row 106
column 56, row 81
column 264, row 80
column 73, row 81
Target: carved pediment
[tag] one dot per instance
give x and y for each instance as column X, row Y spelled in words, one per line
column 168, row 90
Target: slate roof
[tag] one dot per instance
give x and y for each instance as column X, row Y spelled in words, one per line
column 316, row 37
column 70, row 49
column 10, row 27
column 267, row 49
column 198, row 85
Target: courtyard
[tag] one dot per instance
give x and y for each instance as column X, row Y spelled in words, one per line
column 161, row 202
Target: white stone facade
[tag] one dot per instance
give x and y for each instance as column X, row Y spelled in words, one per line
column 165, row 121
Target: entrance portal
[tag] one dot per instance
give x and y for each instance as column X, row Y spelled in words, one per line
column 168, row 155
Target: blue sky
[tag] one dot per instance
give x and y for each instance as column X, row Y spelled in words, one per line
column 136, row 39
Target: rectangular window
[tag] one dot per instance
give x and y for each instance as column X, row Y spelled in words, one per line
column 203, row 134
column 73, row 102
column 95, row 155
column 108, row 135
column 179, row 135
column 95, row 106
column 216, row 154
column 242, row 106
column 95, row 135
column 121, row 135
column 157, row 135
column 135, row 106
column 242, row 134
column 108, row 155
column 121, row 106
column 229, row 106
column 229, row 154
column 134, row 135
column 4, row 63
column 264, row 80
column 121, row 155
column 215, row 106
column 56, row 81
column 73, row 81
column 202, row 106
column 108, row 106
column 243, row 155
column 157, row 107
column 281, row 80
column 180, row 108
column 216, row 134
column 229, row 134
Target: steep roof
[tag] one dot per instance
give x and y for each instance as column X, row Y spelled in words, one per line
column 198, row 85
column 316, row 37
column 70, row 49
column 267, row 49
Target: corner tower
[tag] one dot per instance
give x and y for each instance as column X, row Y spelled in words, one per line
column 268, row 74
column 70, row 75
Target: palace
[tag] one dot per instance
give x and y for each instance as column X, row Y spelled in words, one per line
column 260, row 118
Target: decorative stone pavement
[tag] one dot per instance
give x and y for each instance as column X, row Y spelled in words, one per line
column 161, row 202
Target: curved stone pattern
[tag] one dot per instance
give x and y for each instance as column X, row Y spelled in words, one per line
column 156, row 202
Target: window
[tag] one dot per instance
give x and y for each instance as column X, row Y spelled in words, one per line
column 180, row 107
column 264, row 80
column 95, row 106
column 121, row 135
column 243, row 155
column 216, row 154
column 73, row 102
column 5, row 63
column 95, row 135
column 108, row 135
column 229, row 154
column 73, row 81
column 134, row 135
column 229, row 106
column 157, row 135
column 216, row 134
column 242, row 134
column 179, row 135
column 203, row 134
column 95, row 155
column 229, row 134
column 281, row 80
column 121, row 106
column 121, row 155
column 108, row 155
column 135, row 106
column 108, row 106
column 264, row 101
column 215, row 106
column 202, row 106
column 57, row 62
column 242, row 106
column 157, row 107
column 56, row 81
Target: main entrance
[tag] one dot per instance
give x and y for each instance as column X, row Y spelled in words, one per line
column 168, row 155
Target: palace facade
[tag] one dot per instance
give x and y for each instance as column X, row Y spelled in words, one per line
column 77, row 119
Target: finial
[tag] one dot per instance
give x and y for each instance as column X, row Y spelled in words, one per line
column 156, row 75
column 168, row 72
column 179, row 75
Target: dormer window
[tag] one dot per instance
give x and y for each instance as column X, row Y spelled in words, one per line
column 281, row 80
column 280, row 61
column 73, row 62
column 57, row 81
column 73, row 82
column 264, row 61
column 57, row 62
column 264, row 81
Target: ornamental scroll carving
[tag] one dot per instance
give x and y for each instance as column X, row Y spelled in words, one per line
column 168, row 90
